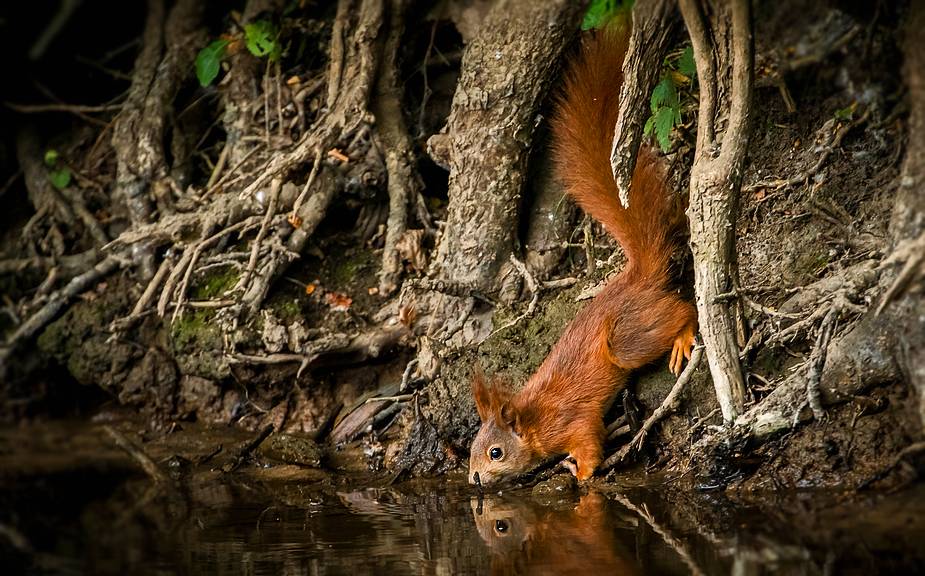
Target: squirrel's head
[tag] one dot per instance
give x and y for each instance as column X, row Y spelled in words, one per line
column 500, row 449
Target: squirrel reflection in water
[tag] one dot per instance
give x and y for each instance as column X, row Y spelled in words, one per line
column 527, row 539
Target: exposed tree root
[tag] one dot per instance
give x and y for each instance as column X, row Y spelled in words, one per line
column 335, row 349
column 403, row 184
column 720, row 32
column 669, row 405
column 55, row 305
column 138, row 137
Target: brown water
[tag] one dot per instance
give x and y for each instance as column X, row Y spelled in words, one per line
column 79, row 511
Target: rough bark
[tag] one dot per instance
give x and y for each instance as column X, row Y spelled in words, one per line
column 505, row 73
column 550, row 220
column 403, row 183
column 244, row 85
column 721, row 34
column 655, row 23
column 138, row 136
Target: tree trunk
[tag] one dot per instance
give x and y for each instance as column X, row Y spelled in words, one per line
column 505, row 74
column 721, row 33
column 654, row 25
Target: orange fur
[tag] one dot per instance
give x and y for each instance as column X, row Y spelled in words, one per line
column 635, row 319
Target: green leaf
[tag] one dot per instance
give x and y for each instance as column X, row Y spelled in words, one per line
column 844, row 114
column 51, row 157
column 686, row 64
column 209, row 60
column 277, row 53
column 60, row 178
column 597, row 14
column 665, row 94
column 650, row 123
column 605, row 12
column 664, row 121
column 261, row 38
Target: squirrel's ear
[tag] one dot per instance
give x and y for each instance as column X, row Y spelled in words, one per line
column 481, row 394
column 509, row 417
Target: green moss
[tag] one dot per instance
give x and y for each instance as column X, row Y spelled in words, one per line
column 213, row 285
column 349, row 270
column 815, row 263
column 518, row 351
column 196, row 326
column 287, row 309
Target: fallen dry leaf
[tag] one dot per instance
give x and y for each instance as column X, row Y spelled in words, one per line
column 309, row 289
column 293, row 80
column 407, row 315
column 410, row 248
column 335, row 153
column 296, row 221
column 338, row 301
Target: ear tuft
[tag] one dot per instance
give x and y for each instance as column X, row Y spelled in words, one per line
column 482, row 394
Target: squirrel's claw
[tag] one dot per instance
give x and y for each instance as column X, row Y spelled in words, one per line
column 572, row 467
column 681, row 350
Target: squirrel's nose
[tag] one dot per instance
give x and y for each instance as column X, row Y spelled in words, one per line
column 474, row 479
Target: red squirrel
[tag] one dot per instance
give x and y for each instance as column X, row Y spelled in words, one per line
column 633, row 321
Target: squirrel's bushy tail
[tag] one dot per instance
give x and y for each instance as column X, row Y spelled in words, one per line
column 583, row 130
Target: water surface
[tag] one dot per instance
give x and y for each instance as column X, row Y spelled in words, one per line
column 74, row 510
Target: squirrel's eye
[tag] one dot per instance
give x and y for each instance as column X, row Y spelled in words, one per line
column 495, row 453
column 501, row 526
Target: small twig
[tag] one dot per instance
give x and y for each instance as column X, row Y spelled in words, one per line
column 266, row 104
column 241, row 455
column 222, row 180
column 534, row 289
column 406, row 375
column 61, row 107
column 400, row 398
column 143, row 302
column 560, row 283
column 255, row 249
column 914, row 251
column 219, row 166
column 308, row 183
column 279, row 99
column 56, row 303
column 668, row 406
column 195, row 255
column 175, row 276
column 702, row 421
column 427, row 91
column 768, row 311
column 138, row 455
column 804, row 176
column 269, row 358
column 10, row 182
